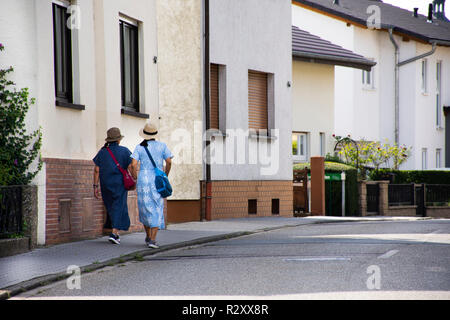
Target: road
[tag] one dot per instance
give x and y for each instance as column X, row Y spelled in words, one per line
column 356, row 260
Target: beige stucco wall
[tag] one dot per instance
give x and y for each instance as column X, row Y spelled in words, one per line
column 180, row 91
column 313, row 103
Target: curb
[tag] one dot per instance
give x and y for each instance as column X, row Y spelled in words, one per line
column 45, row 280
column 4, row 295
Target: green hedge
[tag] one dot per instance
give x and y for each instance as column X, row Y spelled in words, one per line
column 333, row 192
column 411, row 176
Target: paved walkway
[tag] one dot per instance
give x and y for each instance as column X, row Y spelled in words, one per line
column 32, row 269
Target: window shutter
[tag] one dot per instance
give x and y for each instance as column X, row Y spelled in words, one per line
column 214, row 96
column 257, row 100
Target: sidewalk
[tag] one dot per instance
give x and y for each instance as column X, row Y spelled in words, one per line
column 44, row 265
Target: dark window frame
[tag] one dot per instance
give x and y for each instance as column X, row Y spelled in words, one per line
column 133, row 103
column 62, row 45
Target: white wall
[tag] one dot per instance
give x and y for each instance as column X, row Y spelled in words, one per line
column 107, row 46
column 366, row 97
column 427, row 134
column 254, row 35
column 313, row 103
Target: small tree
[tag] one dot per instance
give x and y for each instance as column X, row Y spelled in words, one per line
column 18, row 149
column 373, row 154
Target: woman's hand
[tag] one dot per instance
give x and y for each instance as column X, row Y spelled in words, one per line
column 96, row 192
column 96, row 179
column 133, row 168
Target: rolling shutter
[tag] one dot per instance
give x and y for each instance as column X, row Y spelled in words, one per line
column 257, row 100
column 214, row 96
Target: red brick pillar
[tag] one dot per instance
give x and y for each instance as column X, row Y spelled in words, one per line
column 317, row 186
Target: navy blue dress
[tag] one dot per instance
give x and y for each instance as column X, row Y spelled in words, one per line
column 114, row 194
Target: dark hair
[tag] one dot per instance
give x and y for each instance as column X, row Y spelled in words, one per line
column 107, row 144
column 144, row 142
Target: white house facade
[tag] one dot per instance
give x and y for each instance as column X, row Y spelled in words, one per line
column 366, row 104
column 70, row 54
column 313, row 109
column 250, row 76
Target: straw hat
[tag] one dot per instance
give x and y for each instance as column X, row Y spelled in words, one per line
column 150, row 131
column 113, row 134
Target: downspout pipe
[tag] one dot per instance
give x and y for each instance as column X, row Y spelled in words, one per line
column 433, row 49
column 206, row 213
column 396, row 76
column 399, row 64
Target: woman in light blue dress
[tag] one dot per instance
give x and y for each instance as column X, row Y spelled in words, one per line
column 150, row 202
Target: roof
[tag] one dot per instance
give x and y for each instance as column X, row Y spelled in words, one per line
column 401, row 20
column 308, row 47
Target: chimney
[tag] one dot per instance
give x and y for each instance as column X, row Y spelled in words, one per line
column 416, row 10
column 439, row 10
column 430, row 13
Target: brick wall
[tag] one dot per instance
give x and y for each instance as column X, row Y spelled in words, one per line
column 230, row 199
column 72, row 212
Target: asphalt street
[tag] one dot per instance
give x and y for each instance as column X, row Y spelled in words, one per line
column 355, row 260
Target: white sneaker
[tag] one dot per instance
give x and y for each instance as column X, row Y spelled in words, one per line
column 114, row 238
column 152, row 244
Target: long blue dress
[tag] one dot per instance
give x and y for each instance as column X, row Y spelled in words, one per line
column 114, row 194
column 150, row 202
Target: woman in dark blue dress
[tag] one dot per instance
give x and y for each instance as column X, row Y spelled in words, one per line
column 114, row 194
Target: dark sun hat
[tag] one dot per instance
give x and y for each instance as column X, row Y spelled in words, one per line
column 113, row 134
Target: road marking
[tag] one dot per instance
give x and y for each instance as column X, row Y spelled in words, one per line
column 388, row 254
column 319, row 259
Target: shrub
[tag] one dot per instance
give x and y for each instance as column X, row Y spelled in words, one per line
column 17, row 149
column 412, row 176
column 329, row 166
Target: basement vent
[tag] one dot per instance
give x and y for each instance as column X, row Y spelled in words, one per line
column 64, row 215
column 252, row 206
column 275, row 206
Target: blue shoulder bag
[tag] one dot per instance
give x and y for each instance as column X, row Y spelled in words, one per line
column 161, row 180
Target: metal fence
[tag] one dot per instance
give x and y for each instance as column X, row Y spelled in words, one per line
column 411, row 194
column 10, row 211
column 401, row 194
column 437, row 194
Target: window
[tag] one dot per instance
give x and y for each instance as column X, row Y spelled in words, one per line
column 299, row 146
column 438, row 94
column 424, row 75
column 257, row 100
column 424, row 158
column 62, row 42
column 368, row 79
column 438, row 158
column 129, row 64
column 322, row 144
